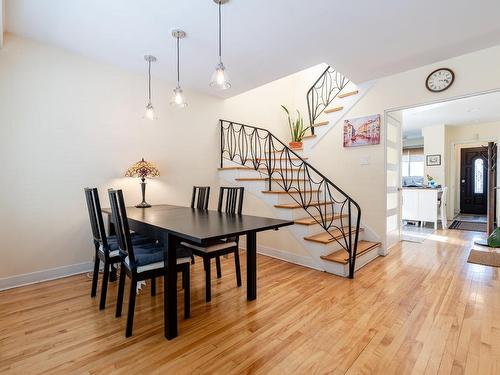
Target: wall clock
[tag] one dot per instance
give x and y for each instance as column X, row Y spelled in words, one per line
column 439, row 80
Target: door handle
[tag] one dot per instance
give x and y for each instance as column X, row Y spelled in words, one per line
column 463, row 181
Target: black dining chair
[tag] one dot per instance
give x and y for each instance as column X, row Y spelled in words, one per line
column 106, row 247
column 230, row 202
column 142, row 262
column 199, row 199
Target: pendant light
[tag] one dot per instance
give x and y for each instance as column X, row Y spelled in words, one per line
column 150, row 111
column 178, row 99
column 220, row 78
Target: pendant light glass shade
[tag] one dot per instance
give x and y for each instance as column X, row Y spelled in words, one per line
column 149, row 112
column 220, row 78
column 178, row 98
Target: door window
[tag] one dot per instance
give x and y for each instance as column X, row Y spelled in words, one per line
column 478, row 176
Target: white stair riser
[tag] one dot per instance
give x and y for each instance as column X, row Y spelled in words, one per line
column 343, row 269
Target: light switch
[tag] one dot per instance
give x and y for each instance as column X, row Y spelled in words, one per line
column 364, row 160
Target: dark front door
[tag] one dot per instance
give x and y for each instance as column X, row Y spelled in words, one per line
column 473, row 181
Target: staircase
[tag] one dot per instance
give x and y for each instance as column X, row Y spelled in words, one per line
column 328, row 101
column 328, row 221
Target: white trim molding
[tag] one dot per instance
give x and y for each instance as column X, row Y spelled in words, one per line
column 301, row 260
column 44, row 275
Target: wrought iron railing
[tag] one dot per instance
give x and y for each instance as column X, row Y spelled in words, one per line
column 326, row 88
column 326, row 203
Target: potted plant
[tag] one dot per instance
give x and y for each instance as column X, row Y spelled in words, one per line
column 297, row 129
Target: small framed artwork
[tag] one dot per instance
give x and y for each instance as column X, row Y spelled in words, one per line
column 362, row 131
column 433, row 160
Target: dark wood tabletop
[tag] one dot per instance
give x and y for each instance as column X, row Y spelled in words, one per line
column 171, row 224
column 199, row 225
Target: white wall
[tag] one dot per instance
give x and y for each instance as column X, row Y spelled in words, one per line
column 435, row 144
column 67, row 122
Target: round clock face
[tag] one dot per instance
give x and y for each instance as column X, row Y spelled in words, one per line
column 439, row 80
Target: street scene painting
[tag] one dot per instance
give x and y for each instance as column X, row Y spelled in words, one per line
column 362, row 131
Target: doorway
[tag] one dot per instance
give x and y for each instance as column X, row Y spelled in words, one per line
column 473, row 181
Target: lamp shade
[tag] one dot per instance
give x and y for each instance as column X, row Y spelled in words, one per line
column 142, row 169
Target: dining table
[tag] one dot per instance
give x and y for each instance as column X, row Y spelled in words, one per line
column 170, row 224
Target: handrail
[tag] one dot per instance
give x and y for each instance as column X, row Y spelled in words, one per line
column 326, row 88
column 325, row 202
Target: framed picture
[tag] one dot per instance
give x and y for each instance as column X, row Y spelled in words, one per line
column 362, row 131
column 433, row 160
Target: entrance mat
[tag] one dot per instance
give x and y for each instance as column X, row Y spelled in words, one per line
column 467, row 225
column 485, row 258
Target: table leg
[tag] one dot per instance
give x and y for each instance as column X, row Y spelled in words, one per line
column 251, row 266
column 170, row 287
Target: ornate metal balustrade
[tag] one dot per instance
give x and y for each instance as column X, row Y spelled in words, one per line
column 322, row 92
column 326, row 203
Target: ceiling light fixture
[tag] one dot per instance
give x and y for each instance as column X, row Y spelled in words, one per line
column 220, row 78
column 150, row 111
column 178, row 99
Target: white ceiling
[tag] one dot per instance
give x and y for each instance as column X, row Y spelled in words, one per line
column 263, row 39
column 474, row 110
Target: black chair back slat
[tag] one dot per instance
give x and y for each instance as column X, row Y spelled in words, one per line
column 122, row 228
column 95, row 215
column 233, row 199
column 201, row 195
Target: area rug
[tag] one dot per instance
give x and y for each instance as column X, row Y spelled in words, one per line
column 485, row 258
column 468, row 225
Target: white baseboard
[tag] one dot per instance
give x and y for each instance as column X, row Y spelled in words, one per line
column 45, row 275
column 74, row 269
column 300, row 260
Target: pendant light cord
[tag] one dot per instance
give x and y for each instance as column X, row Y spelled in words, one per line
column 220, row 33
column 178, row 74
column 149, row 80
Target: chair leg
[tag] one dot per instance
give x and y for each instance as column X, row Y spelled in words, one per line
column 192, row 259
column 208, row 280
column 112, row 274
column 217, row 263
column 121, row 287
column 153, row 286
column 237, row 267
column 131, row 307
column 95, row 276
column 187, row 291
column 104, row 288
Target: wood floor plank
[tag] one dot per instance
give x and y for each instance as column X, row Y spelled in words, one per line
column 420, row 310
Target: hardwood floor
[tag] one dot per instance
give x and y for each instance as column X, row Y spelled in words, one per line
column 422, row 309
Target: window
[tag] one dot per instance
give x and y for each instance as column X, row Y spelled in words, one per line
column 478, row 176
column 412, row 164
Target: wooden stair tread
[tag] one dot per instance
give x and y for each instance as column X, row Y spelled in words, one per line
column 280, row 151
column 235, row 168
column 322, row 123
column 287, row 192
column 341, row 256
column 346, row 94
column 334, row 109
column 311, row 221
column 326, row 238
column 309, row 136
column 296, row 205
column 267, row 179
